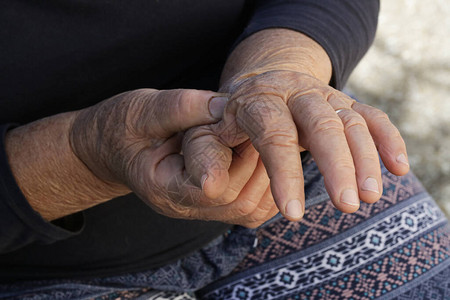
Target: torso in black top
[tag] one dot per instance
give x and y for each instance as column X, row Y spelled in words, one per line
column 66, row 55
column 58, row 56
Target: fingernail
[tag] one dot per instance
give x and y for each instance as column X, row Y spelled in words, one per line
column 203, row 180
column 370, row 185
column 294, row 209
column 350, row 197
column 217, row 106
column 402, row 159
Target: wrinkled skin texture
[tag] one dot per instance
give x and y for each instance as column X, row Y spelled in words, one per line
column 134, row 140
column 283, row 113
column 280, row 105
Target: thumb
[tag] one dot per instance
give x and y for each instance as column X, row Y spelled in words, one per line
column 172, row 111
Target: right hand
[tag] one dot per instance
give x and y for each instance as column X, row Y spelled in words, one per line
column 133, row 141
column 284, row 113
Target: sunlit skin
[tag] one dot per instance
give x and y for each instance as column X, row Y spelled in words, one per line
column 285, row 74
column 135, row 142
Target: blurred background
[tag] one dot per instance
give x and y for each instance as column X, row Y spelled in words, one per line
column 406, row 73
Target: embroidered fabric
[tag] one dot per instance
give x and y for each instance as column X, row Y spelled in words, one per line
column 397, row 248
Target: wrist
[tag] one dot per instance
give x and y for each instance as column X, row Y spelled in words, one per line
column 51, row 177
column 86, row 145
column 277, row 50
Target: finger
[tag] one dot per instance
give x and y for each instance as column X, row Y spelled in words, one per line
column 362, row 147
column 387, row 138
column 250, row 195
column 243, row 165
column 321, row 131
column 247, row 201
column 152, row 165
column 256, row 224
column 264, row 211
column 269, row 124
column 214, row 143
column 164, row 187
column 163, row 113
column 207, row 161
column 171, row 181
column 365, row 156
column 174, row 185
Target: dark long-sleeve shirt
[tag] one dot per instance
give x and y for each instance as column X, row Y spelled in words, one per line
column 65, row 55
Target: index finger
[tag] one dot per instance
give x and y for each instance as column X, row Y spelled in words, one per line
column 269, row 124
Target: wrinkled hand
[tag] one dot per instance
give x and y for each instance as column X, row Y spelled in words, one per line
column 133, row 140
column 284, row 113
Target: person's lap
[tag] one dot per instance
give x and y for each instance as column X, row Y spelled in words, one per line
column 395, row 248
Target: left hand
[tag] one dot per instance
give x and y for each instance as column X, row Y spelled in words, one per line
column 133, row 140
column 286, row 112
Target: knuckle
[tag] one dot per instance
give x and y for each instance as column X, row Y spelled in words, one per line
column 182, row 105
column 142, row 92
column 141, row 96
column 260, row 111
column 281, row 137
column 140, row 101
column 342, row 164
column 379, row 115
column 209, row 158
column 369, row 155
column 197, row 134
column 322, row 129
column 260, row 214
column 245, row 209
column 324, row 124
column 394, row 134
column 186, row 94
column 232, row 193
column 290, row 174
column 352, row 119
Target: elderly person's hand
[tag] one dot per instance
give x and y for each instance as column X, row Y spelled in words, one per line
column 284, row 113
column 134, row 139
column 131, row 142
column 283, row 108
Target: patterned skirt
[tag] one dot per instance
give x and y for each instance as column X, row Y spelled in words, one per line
column 397, row 248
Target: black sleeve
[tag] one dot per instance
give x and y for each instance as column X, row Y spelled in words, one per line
column 19, row 223
column 344, row 28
